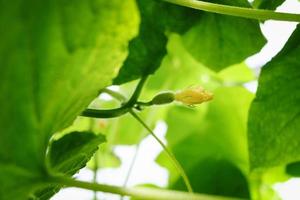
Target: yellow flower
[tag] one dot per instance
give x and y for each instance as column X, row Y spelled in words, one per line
column 194, row 95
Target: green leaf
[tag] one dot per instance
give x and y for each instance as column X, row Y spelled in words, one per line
column 54, row 59
column 147, row 50
column 274, row 119
column 218, row 176
column 69, row 154
column 217, row 43
column 293, row 169
column 267, row 4
column 210, row 143
column 104, row 155
column 18, row 182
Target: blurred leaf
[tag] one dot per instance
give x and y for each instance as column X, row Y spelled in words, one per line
column 274, row 120
column 216, row 176
column 262, row 183
column 68, row 155
column 239, row 73
column 267, row 4
column 293, row 169
column 217, row 43
column 54, row 59
column 210, row 143
column 180, row 70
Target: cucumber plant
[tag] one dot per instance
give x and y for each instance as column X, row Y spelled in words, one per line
column 223, row 142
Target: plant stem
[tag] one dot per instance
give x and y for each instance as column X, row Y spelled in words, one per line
column 95, row 159
column 129, row 172
column 149, row 103
column 115, row 95
column 169, row 153
column 95, row 169
column 138, row 192
column 137, row 92
column 237, row 11
column 111, row 113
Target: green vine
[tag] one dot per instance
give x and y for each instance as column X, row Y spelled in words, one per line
column 138, row 192
column 237, row 11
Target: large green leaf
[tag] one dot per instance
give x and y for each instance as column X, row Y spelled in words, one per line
column 210, row 143
column 69, row 154
column 274, row 119
column 55, row 56
column 217, row 43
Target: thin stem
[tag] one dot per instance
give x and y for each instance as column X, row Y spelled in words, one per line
column 138, row 192
column 169, row 153
column 95, row 158
column 237, row 11
column 129, row 172
column 95, row 169
column 115, row 95
column 137, row 92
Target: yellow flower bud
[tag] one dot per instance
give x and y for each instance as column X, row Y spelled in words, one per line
column 193, row 95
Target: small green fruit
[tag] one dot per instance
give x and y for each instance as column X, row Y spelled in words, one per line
column 163, row 98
